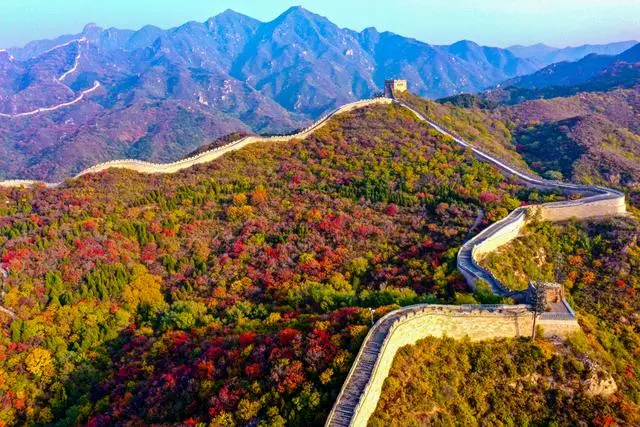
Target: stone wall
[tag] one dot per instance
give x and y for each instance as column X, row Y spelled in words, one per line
column 613, row 206
column 408, row 325
column 412, row 324
column 509, row 228
column 501, row 233
column 208, row 156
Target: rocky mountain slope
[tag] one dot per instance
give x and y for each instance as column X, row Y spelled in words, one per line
column 589, row 137
column 163, row 93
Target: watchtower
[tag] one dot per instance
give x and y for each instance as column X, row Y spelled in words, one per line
column 554, row 292
column 392, row 87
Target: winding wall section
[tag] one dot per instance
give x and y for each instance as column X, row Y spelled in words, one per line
column 96, row 86
column 595, row 202
column 361, row 391
column 206, row 157
column 360, row 394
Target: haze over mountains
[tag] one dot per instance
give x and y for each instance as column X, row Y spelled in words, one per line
column 164, row 93
column 546, row 55
column 574, row 73
column 593, row 73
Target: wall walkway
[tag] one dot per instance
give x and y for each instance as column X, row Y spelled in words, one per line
column 360, row 394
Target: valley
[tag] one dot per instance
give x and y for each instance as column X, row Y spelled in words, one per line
column 287, row 259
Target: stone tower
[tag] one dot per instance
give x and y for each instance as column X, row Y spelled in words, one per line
column 392, row 87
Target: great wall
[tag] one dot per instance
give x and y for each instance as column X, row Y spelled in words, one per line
column 60, row 80
column 96, row 86
column 205, row 157
column 360, row 393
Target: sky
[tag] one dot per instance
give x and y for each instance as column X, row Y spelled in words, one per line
column 490, row 22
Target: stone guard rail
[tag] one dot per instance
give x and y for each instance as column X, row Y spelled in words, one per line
column 360, row 394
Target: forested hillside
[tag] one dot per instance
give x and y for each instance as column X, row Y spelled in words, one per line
column 499, row 383
column 235, row 292
column 592, row 138
column 592, row 379
column 599, row 265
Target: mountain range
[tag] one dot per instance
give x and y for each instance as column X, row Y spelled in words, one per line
column 574, row 73
column 157, row 95
column 546, row 55
column 593, row 73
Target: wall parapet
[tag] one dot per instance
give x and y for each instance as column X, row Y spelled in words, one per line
column 363, row 386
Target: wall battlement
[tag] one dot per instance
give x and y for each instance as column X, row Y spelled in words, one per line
column 392, row 87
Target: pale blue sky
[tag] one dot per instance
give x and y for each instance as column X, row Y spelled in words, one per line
column 492, row 22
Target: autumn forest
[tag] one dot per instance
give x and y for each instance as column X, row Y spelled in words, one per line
column 226, row 297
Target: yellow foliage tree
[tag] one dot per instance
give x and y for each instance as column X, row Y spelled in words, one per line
column 40, row 363
column 259, row 196
column 240, row 199
column 235, row 213
column 144, row 289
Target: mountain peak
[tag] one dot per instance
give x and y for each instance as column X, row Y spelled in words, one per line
column 92, row 26
column 298, row 12
column 230, row 14
column 538, row 46
column 295, row 9
column 300, row 18
column 463, row 48
column 631, row 55
column 231, row 18
column 465, row 44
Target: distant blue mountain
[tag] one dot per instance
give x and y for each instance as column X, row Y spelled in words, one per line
column 301, row 58
column 546, row 55
column 576, row 73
